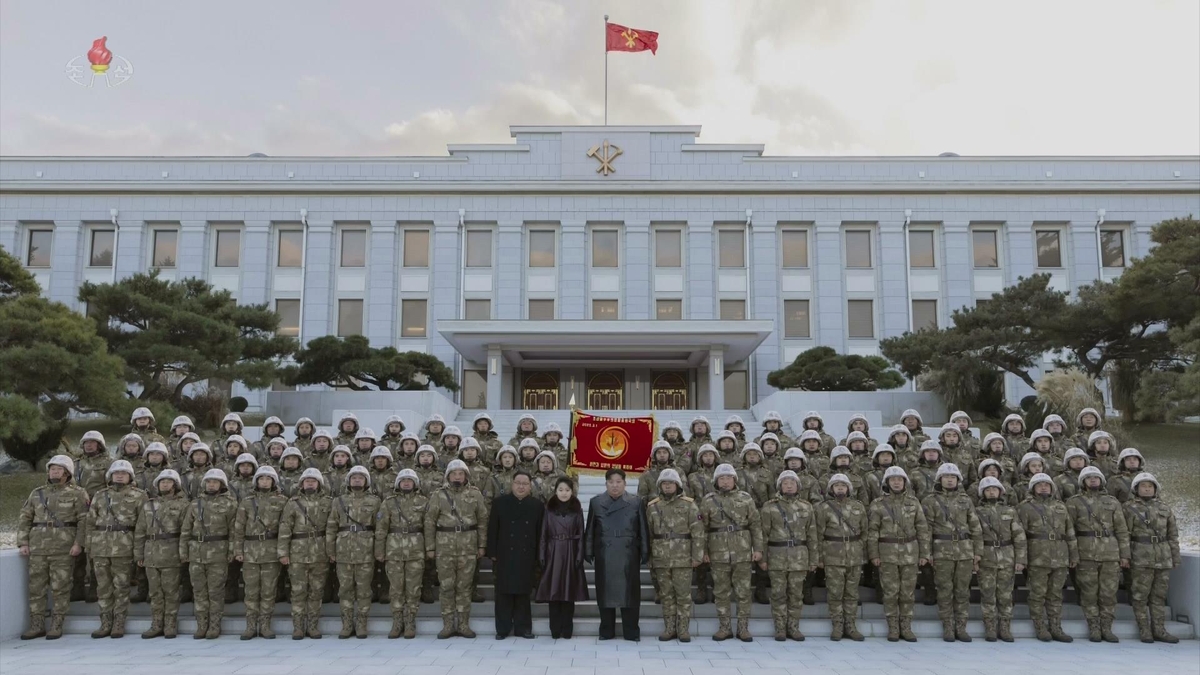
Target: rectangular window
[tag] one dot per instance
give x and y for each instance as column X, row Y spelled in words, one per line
column 477, row 310
column 924, row 315
column 479, row 248
column 984, row 249
column 350, row 317
column 733, row 248
column 860, row 316
column 737, row 394
column 289, row 317
column 164, row 248
column 668, row 310
column 229, row 248
column 668, row 248
column 541, row 248
column 474, row 389
column 1112, row 248
column 604, row 248
column 920, row 249
column 354, row 248
column 416, row 248
column 1049, row 251
column 541, row 310
column 102, row 248
column 412, row 318
column 604, row 310
column 858, row 248
column 733, row 310
column 291, row 249
column 795, row 248
column 38, row 253
column 982, row 303
column 795, row 319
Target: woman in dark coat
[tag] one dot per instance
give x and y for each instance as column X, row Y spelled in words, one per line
column 561, row 558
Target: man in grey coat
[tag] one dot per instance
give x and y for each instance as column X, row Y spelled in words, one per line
column 617, row 544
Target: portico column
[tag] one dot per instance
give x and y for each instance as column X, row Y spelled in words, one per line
column 495, row 375
column 716, row 378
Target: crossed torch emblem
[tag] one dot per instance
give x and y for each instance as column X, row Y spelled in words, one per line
column 606, row 153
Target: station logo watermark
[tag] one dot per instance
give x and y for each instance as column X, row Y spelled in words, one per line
column 100, row 63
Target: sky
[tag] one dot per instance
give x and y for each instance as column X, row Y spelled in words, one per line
column 803, row 77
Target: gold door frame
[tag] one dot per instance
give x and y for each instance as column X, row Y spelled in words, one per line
column 539, row 390
column 669, row 391
column 606, row 390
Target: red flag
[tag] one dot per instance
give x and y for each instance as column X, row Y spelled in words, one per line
column 620, row 38
column 602, row 443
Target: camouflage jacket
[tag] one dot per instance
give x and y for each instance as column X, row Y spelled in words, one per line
column 382, row 482
column 489, row 443
column 841, row 527
column 1101, row 532
column 319, row 460
column 733, row 526
column 676, row 531
column 350, row 530
column 391, row 442
column 193, row 479
column 789, row 528
column 1067, row 483
column 111, row 520
column 544, row 483
column 207, row 529
column 1008, row 468
column 431, row 479
column 289, row 481
column 908, row 457
column 1152, row 534
column 757, row 481
column 1106, row 463
column 53, row 519
column 858, row 486
column 1003, row 537
column 479, row 475
column 400, row 527
column 1009, row 498
column 156, row 539
column 954, row 530
column 1120, row 485
column 923, row 478
column 302, row 528
column 897, row 532
column 303, row 444
column 145, row 477
column 90, row 472
column 335, row 480
column 1018, row 444
column 648, row 481
column 404, row 461
column 700, row 482
column 256, row 527
column 1048, row 532
column 241, row 486
column 456, row 521
column 501, row 482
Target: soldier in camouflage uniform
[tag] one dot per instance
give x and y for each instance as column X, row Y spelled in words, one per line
column 451, row 445
column 1101, row 449
column 1067, row 482
column 734, row 543
column 1031, row 465
column 452, row 538
column 676, row 548
column 406, row 452
column 235, row 446
column 527, row 453
column 483, row 429
column 955, row 449
column 1057, row 427
column 897, row 543
column 1102, row 538
column 1155, row 548
column 546, row 478
column 241, row 485
column 1087, row 422
column 995, row 448
column 400, row 545
column 755, row 479
column 305, row 429
column 810, row 487
column 382, row 471
column 272, row 429
column 301, row 549
column 340, row 463
column 662, row 457
column 841, row 525
column 963, row 421
column 672, row 433
column 907, row 452
column 364, row 445
column 393, row 431
column 789, row 528
column 882, row 459
column 156, row 548
column 180, row 426
column 699, row 434
column 255, row 545
column 230, row 425
column 773, row 424
column 427, row 470
column 924, row 477
column 1013, row 430
column 142, row 423
column 991, row 468
column 347, row 430
column 727, row 449
column 815, row 456
column 502, row 475
column 291, row 467
column 204, row 544
column 526, row 428
column 860, row 453
column 814, row 422
column 478, row 473
column 131, row 448
column 180, row 459
column 273, row 457
column 155, row 458
column 1002, row 556
column 841, row 461
column 350, row 541
column 956, row 542
column 111, row 520
column 1052, row 550
column 737, row 427
column 320, row 450
column 911, row 420
column 552, row 440
column 700, row 484
column 434, row 426
column 858, row 422
column 50, row 532
column 1041, row 442
column 1130, row 463
column 772, row 455
column 199, row 464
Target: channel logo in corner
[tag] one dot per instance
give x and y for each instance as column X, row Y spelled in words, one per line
column 99, row 62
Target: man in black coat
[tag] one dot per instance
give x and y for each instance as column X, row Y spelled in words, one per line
column 512, row 543
column 617, row 544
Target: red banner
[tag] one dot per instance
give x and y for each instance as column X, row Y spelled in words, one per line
column 618, row 38
column 601, row 443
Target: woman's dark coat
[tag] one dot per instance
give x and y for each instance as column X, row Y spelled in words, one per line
column 561, row 555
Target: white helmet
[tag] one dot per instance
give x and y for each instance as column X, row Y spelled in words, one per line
column 949, row 428
column 267, row 471
column 170, row 474
column 63, row 461
column 795, row 453
column 1085, row 411
column 393, row 418
column 894, row 471
column 1030, row 457
column 342, row 449
column 991, row 481
column 277, row 440
column 217, row 474
column 856, row 436
column 664, row 446
column 702, row 419
column 1130, row 452
column 960, row 414
column 347, row 416
column 469, row 442
column 435, row 418
column 1013, row 418
column 183, row 420
column 426, row 448
column 809, row 435
column 191, row 435
column 484, row 416
column 452, row 431
column 528, row 443
column 305, row 420
column 119, row 465
column 291, row 451
column 911, row 413
column 788, row 475
column 1088, row 472
column 233, row 417
column 672, row 425
column 989, row 462
column 506, row 450
column 1053, row 418
column 771, row 416
column 200, row 447
column 1072, row 454
column 1097, row 435
column 987, row 440
column 839, row 478
column 857, row 417
column 1040, row 478
column 724, row 470
column 139, row 413
column 881, row 448
column 898, row 429
column 363, row 432
column 706, row 447
column 1040, row 433
column 527, row 416
column 455, row 465
column 409, row 474
column 272, row 420
column 726, row 434
column 159, row 447
column 380, row 451
column 751, row 445
column 98, row 437
column 546, row 453
column 362, row 470
column 813, row 415
column 839, row 451
column 323, row 433
column 245, row 458
column 313, row 472
column 1145, row 476
column 734, row 419
column 769, row 436
column 669, row 475
column 948, row 469
column 552, row 428
column 233, row 438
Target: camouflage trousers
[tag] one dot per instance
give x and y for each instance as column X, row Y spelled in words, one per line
column 841, row 584
column 208, row 587
column 953, row 581
column 731, row 582
column 1045, row 591
column 354, row 586
column 261, row 580
column 456, row 573
column 674, row 586
column 996, row 592
column 112, row 583
column 164, row 590
column 787, row 594
column 53, row 573
column 1097, row 584
column 899, row 586
column 1149, row 595
column 308, row 587
column 404, row 584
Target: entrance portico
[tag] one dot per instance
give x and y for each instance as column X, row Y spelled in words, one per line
column 604, row 365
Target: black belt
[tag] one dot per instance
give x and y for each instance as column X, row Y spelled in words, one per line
column 306, row 535
column 727, row 528
column 457, row 528
column 1045, row 537
column 997, row 544
column 1103, row 534
column 1153, row 539
column 265, row 536
column 115, row 528
column 673, row 535
column 567, row 537
column 957, row 536
column 356, row 528
column 220, row 537
column 896, row 540
column 403, row 530
column 165, row 535
column 844, row 540
column 50, row 524
column 787, row 544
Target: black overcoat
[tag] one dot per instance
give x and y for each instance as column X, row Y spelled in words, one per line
column 617, row 541
column 514, row 527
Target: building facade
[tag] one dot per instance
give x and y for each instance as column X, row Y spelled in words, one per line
column 616, row 267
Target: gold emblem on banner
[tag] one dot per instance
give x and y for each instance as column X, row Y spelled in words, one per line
column 613, row 442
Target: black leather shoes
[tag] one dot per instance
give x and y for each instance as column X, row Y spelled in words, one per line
column 501, row 636
column 529, row 635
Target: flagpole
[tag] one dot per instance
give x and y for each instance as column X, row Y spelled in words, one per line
column 605, row 70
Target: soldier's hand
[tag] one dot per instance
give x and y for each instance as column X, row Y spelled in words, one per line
column 379, row 558
column 877, row 562
column 821, row 565
column 925, row 561
column 1020, row 567
column 285, row 560
column 706, row 560
column 431, row 555
column 756, row 556
column 480, row 554
column 762, row 565
column 76, row 549
column 24, row 550
column 813, row 568
column 695, row 563
column 239, row 558
column 332, row 559
column 1125, row 563
column 141, row 563
column 1073, row 564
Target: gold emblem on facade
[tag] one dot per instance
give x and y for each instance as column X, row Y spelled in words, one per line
column 606, row 153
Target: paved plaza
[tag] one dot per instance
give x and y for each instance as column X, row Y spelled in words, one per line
column 584, row 656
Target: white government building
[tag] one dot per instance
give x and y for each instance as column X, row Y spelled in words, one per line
column 624, row 267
